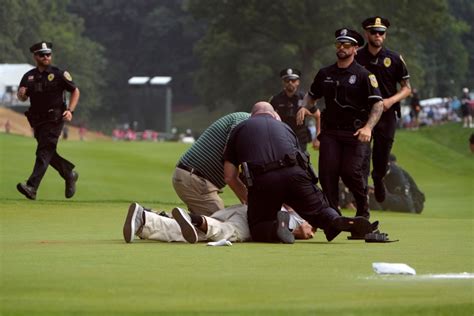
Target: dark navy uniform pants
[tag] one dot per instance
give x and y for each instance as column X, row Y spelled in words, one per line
column 291, row 186
column 47, row 136
column 342, row 155
column 383, row 136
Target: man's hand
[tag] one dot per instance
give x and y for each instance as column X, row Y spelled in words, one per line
column 304, row 231
column 316, row 143
column 364, row 134
column 67, row 116
column 301, row 114
column 387, row 104
column 21, row 94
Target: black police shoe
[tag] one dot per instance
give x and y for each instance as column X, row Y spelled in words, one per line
column 283, row 231
column 357, row 225
column 27, row 190
column 331, row 233
column 360, row 236
column 71, row 184
column 379, row 190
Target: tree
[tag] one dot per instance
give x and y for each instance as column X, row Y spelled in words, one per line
column 141, row 38
column 25, row 22
column 249, row 41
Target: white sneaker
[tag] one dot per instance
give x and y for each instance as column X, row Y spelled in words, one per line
column 133, row 222
column 187, row 228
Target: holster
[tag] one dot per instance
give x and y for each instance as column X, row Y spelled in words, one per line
column 305, row 164
column 247, row 175
column 37, row 119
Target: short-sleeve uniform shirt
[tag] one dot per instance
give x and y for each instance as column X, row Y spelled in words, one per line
column 349, row 94
column 287, row 107
column 389, row 68
column 46, row 89
column 260, row 140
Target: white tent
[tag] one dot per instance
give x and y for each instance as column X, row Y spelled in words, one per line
column 10, row 76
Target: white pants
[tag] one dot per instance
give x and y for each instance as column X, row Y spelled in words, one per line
column 229, row 223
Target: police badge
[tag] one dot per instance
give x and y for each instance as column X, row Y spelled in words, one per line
column 352, row 79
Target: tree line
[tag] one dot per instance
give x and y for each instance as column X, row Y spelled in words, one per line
column 227, row 51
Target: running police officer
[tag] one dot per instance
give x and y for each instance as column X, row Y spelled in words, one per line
column 353, row 107
column 389, row 69
column 289, row 101
column 281, row 174
column 45, row 86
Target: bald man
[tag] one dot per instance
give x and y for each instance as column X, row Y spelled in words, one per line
column 280, row 174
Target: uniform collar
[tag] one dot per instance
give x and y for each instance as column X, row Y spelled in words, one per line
column 380, row 53
column 48, row 69
column 350, row 69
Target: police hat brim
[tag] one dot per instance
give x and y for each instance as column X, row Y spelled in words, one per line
column 290, row 77
column 43, row 51
column 377, row 28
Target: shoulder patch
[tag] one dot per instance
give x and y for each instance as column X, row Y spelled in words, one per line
column 387, row 62
column 373, row 81
column 50, row 77
column 67, row 75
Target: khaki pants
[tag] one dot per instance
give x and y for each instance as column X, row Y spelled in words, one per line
column 200, row 195
column 229, row 223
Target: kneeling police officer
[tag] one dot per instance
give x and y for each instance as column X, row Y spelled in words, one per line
column 281, row 174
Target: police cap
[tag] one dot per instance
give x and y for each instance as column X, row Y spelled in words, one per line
column 376, row 23
column 41, row 47
column 290, row 73
column 346, row 35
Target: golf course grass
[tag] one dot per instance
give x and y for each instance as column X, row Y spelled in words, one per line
column 68, row 257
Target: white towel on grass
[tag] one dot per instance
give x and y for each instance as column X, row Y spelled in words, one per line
column 222, row 242
column 392, row 268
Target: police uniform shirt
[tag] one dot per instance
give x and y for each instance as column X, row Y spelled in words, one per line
column 389, row 68
column 260, row 140
column 287, row 107
column 349, row 94
column 46, row 89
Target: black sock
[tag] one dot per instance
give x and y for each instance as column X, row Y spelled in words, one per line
column 196, row 219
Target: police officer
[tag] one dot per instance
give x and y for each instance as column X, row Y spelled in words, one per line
column 402, row 193
column 280, row 174
column 353, row 107
column 45, row 86
column 389, row 68
column 289, row 101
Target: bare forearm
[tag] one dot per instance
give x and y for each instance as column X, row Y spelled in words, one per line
column 375, row 114
column 239, row 189
column 402, row 94
column 74, row 99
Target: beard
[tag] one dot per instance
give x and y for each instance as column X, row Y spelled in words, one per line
column 290, row 89
column 376, row 43
column 342, row 55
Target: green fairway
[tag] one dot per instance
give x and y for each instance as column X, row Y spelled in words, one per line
column 68, row 257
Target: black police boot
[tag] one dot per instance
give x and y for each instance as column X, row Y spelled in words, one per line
column 283, row 231
column 71, row 184
column 27, row 190
column 331, row 233
column 358, row 236
column 359, row 226
column 379, row 190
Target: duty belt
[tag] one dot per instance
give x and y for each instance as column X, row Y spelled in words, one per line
column 356, row 124
column 180, row 165
column 279, row 164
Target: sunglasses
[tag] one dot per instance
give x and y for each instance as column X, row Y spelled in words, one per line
column 290, row 80
column 373, row 32
column 41, row 55
column 345, row 45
